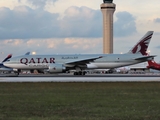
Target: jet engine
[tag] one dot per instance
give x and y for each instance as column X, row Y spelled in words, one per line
column 56, row 68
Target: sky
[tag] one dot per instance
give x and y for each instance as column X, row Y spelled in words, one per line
column 74, row 27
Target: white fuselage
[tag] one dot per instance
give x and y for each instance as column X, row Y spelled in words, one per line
column 107, row 61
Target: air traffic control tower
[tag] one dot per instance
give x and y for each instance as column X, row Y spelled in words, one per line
column 108, row 8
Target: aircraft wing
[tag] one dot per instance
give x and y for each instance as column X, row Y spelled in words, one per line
column 145, row 57
column 83, row 61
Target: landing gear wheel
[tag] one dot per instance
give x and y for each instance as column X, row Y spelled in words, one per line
column 83, row 73
column 75, row 73
column 80, row 73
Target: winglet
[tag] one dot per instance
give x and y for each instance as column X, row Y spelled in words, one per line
column 142, row 45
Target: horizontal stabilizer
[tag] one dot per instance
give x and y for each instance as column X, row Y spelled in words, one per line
column 146, row 57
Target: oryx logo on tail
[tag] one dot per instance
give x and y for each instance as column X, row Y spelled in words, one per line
column 142, row 45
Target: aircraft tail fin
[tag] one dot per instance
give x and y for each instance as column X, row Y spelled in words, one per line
column 142, row 46
column 8, row 57
column 153, row 65
column 28, row 53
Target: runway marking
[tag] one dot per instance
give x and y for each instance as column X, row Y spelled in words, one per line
column 79, row 79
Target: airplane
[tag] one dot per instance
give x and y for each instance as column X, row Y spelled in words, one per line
column 8, row 69
column 80, row 62
column 27, row 53
column 123, row 70
column 4, row 68
column 153, row 65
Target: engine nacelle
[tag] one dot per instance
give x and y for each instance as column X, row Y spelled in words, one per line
column 56, row 68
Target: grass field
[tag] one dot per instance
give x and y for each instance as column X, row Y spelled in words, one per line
column 80, row 101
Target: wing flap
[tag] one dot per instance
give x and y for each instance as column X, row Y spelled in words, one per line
column 83, row 61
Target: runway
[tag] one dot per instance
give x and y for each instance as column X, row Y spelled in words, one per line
column 87, row 78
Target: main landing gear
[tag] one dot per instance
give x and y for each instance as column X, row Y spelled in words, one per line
column 80, row 73
column 16, row 73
